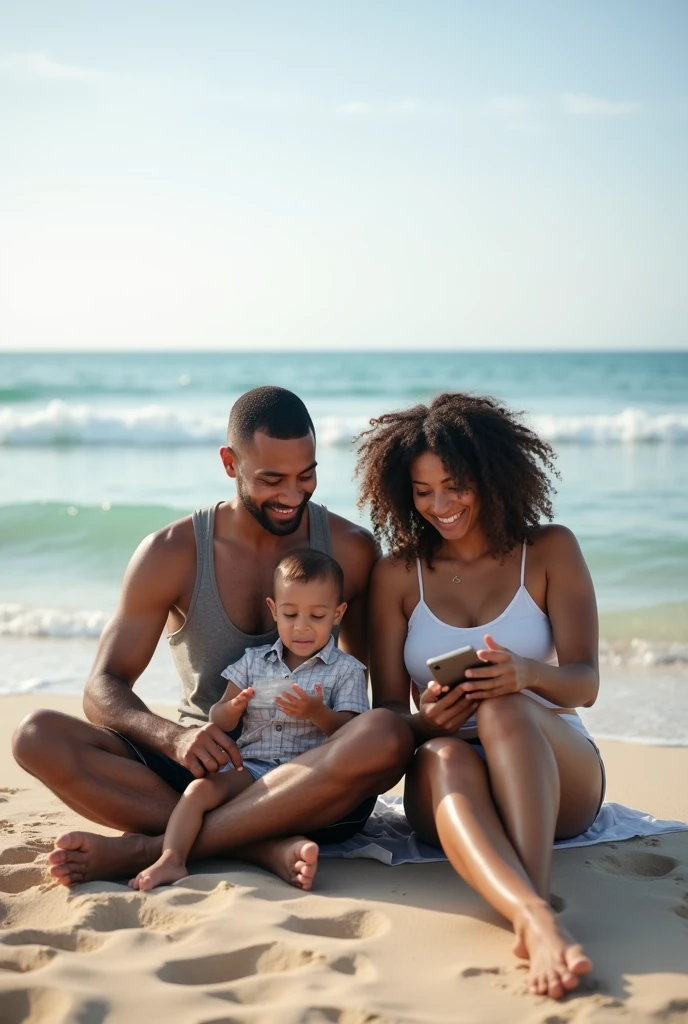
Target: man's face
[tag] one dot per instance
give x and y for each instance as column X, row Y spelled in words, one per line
column 275, row 479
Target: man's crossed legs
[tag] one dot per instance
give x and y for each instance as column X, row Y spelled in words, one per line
column 97, row 774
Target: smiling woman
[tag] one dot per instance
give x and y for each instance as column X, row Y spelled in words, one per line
column 482, row 445
column 504, row 763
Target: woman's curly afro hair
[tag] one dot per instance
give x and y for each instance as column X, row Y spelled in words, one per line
column 480, row 442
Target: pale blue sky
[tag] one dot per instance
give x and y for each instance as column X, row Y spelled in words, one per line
column 345, row 174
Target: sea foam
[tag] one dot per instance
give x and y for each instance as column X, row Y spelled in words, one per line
column 21, row 621
column 26, row 621
column 64, row 423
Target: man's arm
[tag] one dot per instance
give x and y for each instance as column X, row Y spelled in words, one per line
column 155, row 579
column 357, row 551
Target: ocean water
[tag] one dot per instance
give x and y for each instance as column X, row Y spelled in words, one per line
column 97, row 450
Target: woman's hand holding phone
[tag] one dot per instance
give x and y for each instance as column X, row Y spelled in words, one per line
column 506, row 673
column 445, row 709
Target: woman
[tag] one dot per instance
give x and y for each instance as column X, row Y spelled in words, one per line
column 456, row 491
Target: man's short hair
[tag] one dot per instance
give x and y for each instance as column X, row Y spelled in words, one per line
column 275, row 411
column 304, row 566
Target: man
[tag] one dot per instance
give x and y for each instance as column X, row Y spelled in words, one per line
column 206, row 578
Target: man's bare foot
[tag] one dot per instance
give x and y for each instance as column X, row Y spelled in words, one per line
column 87, row 857
column 168, row 868
column 557, row 961
column 294, row 860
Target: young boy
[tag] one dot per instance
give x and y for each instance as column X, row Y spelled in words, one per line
column 328, row 688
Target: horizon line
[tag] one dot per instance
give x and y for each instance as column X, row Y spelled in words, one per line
column 342, row 351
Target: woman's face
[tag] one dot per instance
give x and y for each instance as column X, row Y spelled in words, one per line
column 451, row 511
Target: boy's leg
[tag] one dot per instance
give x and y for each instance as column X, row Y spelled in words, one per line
column 185, row 823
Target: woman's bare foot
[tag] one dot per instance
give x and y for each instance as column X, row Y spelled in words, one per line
column 168, row 868
column 294, row 860
column 557, row 961
column 87, row 857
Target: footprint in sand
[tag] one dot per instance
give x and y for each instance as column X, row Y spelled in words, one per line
column 24, row 854
column 72, row 941
column 31, row 1006
column 121, row 911
column 635, row 864
column 476, row 972
column 337, row 1015
column 355, row 924
column 358, row 965
column 27, row 958
column 270, row 958
column 15, row 878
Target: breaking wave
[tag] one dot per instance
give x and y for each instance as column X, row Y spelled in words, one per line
column 62, row 423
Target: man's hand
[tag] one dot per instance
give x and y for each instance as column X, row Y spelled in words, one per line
column 446, row 710
column 206, row 749
column 300, row 704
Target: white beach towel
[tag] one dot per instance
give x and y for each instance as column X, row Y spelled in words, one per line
column 389, row 838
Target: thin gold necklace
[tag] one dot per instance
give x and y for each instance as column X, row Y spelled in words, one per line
column 456, row 578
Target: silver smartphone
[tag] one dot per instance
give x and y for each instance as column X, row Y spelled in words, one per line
column 450, row 669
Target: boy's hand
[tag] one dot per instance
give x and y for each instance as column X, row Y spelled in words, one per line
column 300, row 704
column 239, row 703
column 227, row 713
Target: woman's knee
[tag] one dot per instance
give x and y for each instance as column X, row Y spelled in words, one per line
column 447, row 754
column 499, row 717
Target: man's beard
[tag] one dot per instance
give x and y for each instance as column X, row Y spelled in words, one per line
column 260, row 514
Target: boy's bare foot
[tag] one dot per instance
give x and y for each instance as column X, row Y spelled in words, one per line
column 557, row 961
column 168, row 868
column 87, row 857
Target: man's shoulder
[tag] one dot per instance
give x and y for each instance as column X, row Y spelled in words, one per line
column 168, row 549
column 174, row 541
column 352, row 539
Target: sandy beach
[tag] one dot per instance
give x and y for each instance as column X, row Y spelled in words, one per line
column 370, row 945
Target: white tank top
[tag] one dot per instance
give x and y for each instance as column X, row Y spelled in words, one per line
column 522, row 628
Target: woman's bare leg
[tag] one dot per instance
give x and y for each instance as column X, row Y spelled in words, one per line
column 545, row 777
column 449, row 802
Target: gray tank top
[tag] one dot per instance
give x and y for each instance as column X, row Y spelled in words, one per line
column 208, row 641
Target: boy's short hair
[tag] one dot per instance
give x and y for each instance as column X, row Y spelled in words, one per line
column 304, row 566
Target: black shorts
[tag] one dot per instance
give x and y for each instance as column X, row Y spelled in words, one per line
column 179, row 777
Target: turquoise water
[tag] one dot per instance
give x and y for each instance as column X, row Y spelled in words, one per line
column 97, row 450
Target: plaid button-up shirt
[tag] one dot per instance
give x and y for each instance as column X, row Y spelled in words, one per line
column 266, row 731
